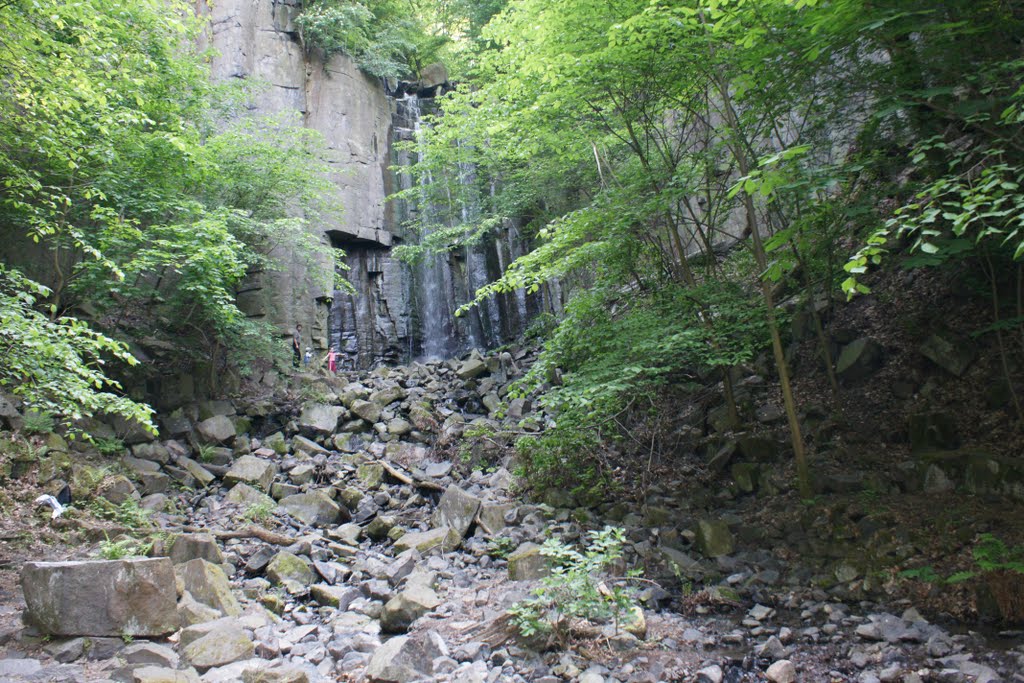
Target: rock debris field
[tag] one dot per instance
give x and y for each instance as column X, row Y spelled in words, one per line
column 368, row 534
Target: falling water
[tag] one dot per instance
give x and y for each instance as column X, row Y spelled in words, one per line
column 400, row 312
column 433, row 273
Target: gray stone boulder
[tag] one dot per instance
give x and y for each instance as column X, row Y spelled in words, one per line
column 208, row 409
column 246, row 496
column 301, row 444
column 135, row 597
column 203, row 476
column 433, row 75
column 456, row 510
column 262, row 671
column 288, row 567
column 314, row 508
column 162, row 674
column 208, row 584
column 406, row 658
column 491, row 516
column 371, row 474
column 217, row 429
column 320, row 418
column 182, row 548
column 388, row 395
column 951, row 354
column 138, row 466
column 526, row 563
column 339, row 597
column 150, row 653
column 422, row 417
column 406, row 607
column 155, row 451
column 367, row 410
column 781, row 671
column 714, row 538
column 277, row 443
column 117, row 489
column 191, row 611
column 224, row 644
column 302, row 474
column 443, row 538
column 380, row 526
column 859, row 359
column 471, row 368
column 399, row 427
column 251, row 470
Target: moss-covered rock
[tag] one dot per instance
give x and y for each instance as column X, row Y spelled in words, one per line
column 526, row 563
column 288, row 567
column 371, row 474
column 714, row 538
column 443, row 538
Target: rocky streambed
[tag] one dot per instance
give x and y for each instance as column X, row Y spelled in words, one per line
column 363, row 533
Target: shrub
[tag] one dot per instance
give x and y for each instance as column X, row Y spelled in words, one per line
column 579, row 588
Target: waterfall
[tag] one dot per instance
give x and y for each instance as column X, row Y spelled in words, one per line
column 401, row 312
column 434, row 306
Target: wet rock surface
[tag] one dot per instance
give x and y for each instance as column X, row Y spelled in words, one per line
column 351, row 543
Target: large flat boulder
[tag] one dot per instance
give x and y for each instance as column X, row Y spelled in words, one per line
column 527, row 564
column 388, row 395
column 186, row 547
column 247, row 496
column 135, row 597
column 471, row 368
column 286, row 567
column 442, row 538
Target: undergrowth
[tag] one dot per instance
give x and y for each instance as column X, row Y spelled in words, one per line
column 607, row 364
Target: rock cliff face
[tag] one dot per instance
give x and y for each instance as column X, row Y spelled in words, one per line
column 396, row 312
column 257, row 40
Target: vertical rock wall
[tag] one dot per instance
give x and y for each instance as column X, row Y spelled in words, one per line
column 257, row 40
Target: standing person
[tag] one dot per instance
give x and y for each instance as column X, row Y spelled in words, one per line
column 297, row 346
column 332, row 361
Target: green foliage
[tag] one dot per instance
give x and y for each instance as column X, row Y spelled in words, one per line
column 126, row 547
column 147, row 191
column 579, row 587
column 501, row 547
column 610, row 363
column 56, row 365
column 109, row 446
column 129, row 513
column 206, row 452
column 990, row 554
column 36, row 422
column 386, row 38
column 258, row 512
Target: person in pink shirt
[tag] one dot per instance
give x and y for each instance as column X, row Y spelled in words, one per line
column 332, row 361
